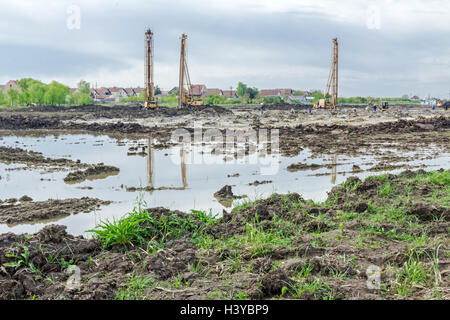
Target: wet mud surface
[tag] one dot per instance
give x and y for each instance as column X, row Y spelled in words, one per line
column 25, row 210
column 94, row 172
column 35, row 159
column 283, row 247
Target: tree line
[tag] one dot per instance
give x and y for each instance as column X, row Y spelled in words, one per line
column 35, row 92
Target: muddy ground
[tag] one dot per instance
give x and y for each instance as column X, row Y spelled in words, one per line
column 25, row 210
column 94, row 172
column 283, row 247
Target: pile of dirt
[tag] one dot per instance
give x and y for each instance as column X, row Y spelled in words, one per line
column 304, row 167
column 257, row 183
column 99, row 171
column 10, row 155
column 225, row 196
column 24, row 210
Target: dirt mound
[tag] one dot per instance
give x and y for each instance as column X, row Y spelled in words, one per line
column 95, row 172
column 10, row 155
column 32, row 211
column 225, row 196
column 284, row 106
column 18, row 122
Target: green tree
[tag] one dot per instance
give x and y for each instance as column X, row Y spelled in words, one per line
column 214, row 99
column 157, row 90
column 37, row 92
column 241, row 89
column 84, row 87
column 56, row 93
column 3, row 99
column 13, row 97
column 252, row 93
column 83, row 94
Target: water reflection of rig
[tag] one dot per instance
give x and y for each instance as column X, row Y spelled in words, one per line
column 151, row 168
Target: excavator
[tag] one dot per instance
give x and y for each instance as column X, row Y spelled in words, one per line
column 381, row 105
column 185, row 97
column 331, row 83
column 443, row 104
column 150, row 101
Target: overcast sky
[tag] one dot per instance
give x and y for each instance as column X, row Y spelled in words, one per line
column 387, row 47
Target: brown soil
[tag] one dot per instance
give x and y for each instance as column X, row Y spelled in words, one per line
column 257, row 183
column 225, row 196
column 36, row 159
column 327, row 259
column 94, row 172
column 25, row 210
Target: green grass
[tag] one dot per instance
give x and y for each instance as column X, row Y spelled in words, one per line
column 134, row 289
column 141, row 228
column 316, row 288
column 21, row 260
column 412, row 273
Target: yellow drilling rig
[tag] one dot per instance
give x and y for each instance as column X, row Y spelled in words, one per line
column 150, row 100
column 185, row 97
column 331, row 83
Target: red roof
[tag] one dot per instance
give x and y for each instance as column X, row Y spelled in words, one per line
column 214, row 91
column 138, row 90
column 115, row 89
column 285, row 92
column 198, row 89
column 269, row 92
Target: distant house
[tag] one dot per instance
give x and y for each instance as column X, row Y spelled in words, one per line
column 286, row 92
column 214, row 91
column 415, row 98
column 199, row 90
column 102, row 95
column 138, row 90
column 269, row 93
column 229, row 94
column 129, row 92
column 118, row 92
column 164, row 93
column 173, row 90
column 73, row 90
column 11, row 84
column 272, row 93
column 295, row 99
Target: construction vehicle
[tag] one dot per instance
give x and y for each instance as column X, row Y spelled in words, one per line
column 150, row 101
column 332, row 82
column 444, row 104
column 381, row 105
column 185, row 97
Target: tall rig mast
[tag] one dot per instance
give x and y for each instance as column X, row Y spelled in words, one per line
column 185, row 98
column 333, row 76
column 150, row 101
column 183, row 68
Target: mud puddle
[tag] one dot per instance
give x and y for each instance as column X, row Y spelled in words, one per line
column 175, row 177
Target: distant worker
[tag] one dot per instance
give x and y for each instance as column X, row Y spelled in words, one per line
column 310, row 109
column 433, row 107
column 374, row 107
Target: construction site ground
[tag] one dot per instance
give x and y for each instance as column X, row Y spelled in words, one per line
column 280, row 247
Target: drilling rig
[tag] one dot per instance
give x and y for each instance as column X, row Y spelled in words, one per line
column 185, row 98
column 331, row 83
column 150, row 100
